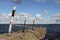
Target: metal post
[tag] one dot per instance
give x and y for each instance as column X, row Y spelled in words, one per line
column 24, row 25
column 33, row 24
column 10, row 26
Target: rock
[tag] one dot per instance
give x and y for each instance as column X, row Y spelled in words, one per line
column 36, row 34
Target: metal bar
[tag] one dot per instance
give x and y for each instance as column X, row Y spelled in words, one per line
column 33, row 24
column 10, row 26
column 24, row 25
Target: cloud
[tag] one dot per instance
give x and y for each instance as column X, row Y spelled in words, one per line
column 22, row 17
column 25, row 16
column 4, row 18
column 56, row 18
column 52, row 20
column 39, row 19
column 16, row 1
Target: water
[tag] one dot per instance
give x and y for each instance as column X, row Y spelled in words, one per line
column 52, row 29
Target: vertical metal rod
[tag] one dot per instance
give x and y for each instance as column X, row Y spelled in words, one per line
column 10, row 26
column 33, row 24
column 24, row 25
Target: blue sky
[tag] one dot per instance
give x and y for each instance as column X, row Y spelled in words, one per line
column 32, row 7
column 44, row 9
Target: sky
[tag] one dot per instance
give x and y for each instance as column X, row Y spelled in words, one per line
column 32, row 7
column 46, row 8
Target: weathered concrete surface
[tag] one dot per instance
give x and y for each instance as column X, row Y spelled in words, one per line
column 36, row 34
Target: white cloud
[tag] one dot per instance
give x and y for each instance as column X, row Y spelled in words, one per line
column 23, row 16
column 56, row 18
column 4, row 18
column 39, row 19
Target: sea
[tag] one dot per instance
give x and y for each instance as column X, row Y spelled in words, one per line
column 52, row 30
